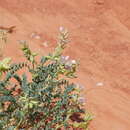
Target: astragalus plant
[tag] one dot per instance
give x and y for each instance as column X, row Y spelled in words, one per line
column 47, row 101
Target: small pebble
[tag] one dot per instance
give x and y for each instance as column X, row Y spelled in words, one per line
column 73, row 62
column 37, row 37
column 99, row 84
column 61, row 29
column 22, row 41
column 82, row 100
column 45, row 44
column 33, row 35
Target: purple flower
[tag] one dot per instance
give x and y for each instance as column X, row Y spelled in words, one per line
column 79, row 87
column 81, row 100
column 68, row 63
column 64, row 59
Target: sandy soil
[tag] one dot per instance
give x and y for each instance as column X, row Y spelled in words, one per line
column 100, row 39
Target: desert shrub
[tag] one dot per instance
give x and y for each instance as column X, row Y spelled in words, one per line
column 46, row 102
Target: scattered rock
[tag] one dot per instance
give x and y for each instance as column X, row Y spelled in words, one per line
column 35, row 35
column 99, row 84
column 45, row 44
column 73, row 61
column 61, row 29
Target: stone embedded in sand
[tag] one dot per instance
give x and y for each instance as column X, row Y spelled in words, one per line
column 22, row 41
column 45, row 44
column 99, row 84
column 35, row 35
column 61, row 29
column 73, row 61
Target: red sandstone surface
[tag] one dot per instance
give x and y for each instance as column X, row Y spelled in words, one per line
column 100, row 39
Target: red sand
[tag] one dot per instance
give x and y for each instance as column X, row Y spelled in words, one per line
column 100, row 38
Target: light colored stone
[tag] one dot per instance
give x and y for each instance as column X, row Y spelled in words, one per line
column 45, row 44
column 33, row 35
column 37, row 37
column 99, row 84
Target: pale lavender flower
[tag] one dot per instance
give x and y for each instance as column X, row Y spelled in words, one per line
column 68, row 65
column 82, row 100
column 64, row 59
column 79, row 87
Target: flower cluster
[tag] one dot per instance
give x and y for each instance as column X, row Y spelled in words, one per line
column 67, row 62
